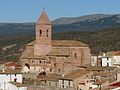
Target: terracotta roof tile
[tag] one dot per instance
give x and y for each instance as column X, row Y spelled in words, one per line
column 13, row 64
column 17, row 84
column 59, row 52
column 118, row 53
column 116, row 84
column 106, row 73
column 100, row 68
column 43, row 18
column 68, row 43
column 76, row 74
column 8, row 71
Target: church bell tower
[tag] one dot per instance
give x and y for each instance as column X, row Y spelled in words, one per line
column 43, row 35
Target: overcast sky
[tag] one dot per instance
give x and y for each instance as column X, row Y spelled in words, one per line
column 29, row 10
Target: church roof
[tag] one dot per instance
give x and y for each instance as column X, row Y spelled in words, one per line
column 30, row 55
column 43, row 17
column 64, row 43
column 59, row 52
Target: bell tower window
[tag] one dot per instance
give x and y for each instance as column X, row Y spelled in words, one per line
column 40, row 33
column 47, row 33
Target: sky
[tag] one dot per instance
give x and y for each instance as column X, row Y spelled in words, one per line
column 29, row 10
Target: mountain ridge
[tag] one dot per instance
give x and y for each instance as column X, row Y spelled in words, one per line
column 83, row 23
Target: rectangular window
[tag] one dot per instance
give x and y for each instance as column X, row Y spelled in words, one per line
column 62, row 81
column 15, row 80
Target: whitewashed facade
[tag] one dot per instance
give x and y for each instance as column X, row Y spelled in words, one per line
column 5, row 78
column 65, row 83
column 94, row 60
column 116, row 60
column 106, row 61
column 15, row 87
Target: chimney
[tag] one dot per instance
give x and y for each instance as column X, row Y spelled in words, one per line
column 104, row 55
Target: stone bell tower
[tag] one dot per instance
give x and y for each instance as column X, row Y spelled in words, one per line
column 43, row 35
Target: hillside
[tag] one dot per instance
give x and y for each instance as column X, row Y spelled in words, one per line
column 83, row 23
column 70, row 20
column 105, row 40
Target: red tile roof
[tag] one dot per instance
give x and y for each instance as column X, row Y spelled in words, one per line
column 118, row 53
column 13, row 64
column 82, row 66
column 116, row 84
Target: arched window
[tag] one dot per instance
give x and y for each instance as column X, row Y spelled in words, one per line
column 27, row 65
column 40, row 33
column 47, row 33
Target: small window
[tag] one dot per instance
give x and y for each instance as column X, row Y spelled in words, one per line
column 62, row 81
column 15, row 80
column 50, row 70
column 56, row 84
column 49, row 83
column 40, row 33
column 39, row 61
column 45, row 82
column 75, row 55
column 59, row 70
column 47, row 33
column 69, row 82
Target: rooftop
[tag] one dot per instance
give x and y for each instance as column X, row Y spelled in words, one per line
column 17, row 84
column 116, row 84
column 43, row 17
column 8, row 71
column 67, row 43
column 59, row 52
column 13, row 64
column 53, row 77
column 100, row 68
column 100, row 82
column 117, row 53
column 106, row 73
column 76, row 74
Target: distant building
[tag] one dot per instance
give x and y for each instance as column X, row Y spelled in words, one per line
column 7, row 76
column 16, row 86
column 75, row 78
column 13, row 66
column 53, row 56
column 116, row 59
column 106, row 61
column 94, row 60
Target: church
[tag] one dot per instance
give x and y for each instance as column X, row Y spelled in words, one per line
column 53, row 56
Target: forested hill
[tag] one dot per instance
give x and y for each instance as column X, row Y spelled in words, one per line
column 105, row 40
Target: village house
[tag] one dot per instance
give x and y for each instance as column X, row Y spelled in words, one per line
column 7, row 76
column 106, row 61
column 75, row 78
column 16, row 86
column 116, row 59
column 94, row 60
column 13, row 66
column 53, row 56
